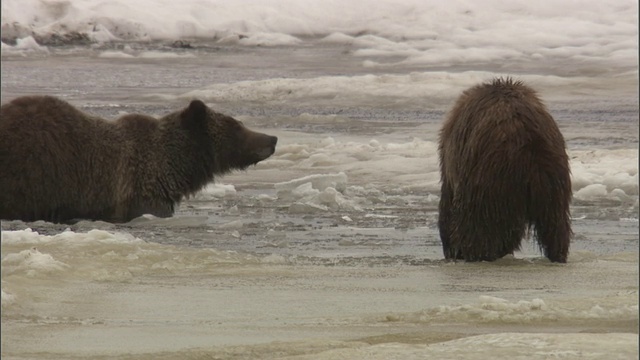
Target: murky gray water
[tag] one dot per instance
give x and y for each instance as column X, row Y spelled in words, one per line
column 256, row 272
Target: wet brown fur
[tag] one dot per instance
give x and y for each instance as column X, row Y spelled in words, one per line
column 504, row 171
column 59, row 164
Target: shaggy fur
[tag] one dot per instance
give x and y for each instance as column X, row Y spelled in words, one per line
column 504, row 171
column 59, row 164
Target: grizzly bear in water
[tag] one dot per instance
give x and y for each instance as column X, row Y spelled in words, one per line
column 59, row 164
column 504, row 171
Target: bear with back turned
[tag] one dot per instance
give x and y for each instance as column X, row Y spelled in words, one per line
column 59, row 164
column 504, row 173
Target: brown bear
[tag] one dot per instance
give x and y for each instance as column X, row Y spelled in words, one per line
column 59, row 164
column 504, row 171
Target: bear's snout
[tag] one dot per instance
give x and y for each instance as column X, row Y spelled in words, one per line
column 267, row 146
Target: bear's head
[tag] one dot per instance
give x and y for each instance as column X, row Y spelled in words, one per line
column 230, row 143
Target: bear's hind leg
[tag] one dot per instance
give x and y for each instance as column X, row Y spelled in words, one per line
column 445, row 221
column 551, row 217
column 553, row 234
column 492, row 244
column 489, row 231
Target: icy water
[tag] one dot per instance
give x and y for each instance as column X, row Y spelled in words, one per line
column 329, row 249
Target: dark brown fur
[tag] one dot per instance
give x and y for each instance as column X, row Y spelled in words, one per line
column 59, row 164
column 504, row 171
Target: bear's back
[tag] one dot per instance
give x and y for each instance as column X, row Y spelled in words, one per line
column 504, row 110
column 497, row 125
column 33, row 112
column 48, row 126
column 45, row 140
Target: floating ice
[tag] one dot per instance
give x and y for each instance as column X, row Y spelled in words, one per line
column 528, row 345
column 236, row 224
column 144, row 55
column 115, row 55
column 605, row 174
column 31, row 262
column 318, row 192
column 310, row 185
column 492, row 309
column 590, row 192
column 29, row 43
column 7, row 298
column 29, row 236
column 216, row 191
column 122, row 256
column 23, row 47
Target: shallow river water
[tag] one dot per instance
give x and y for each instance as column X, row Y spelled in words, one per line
column 330, row 248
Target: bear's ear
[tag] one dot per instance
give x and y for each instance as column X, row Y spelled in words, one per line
column 195, row 114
